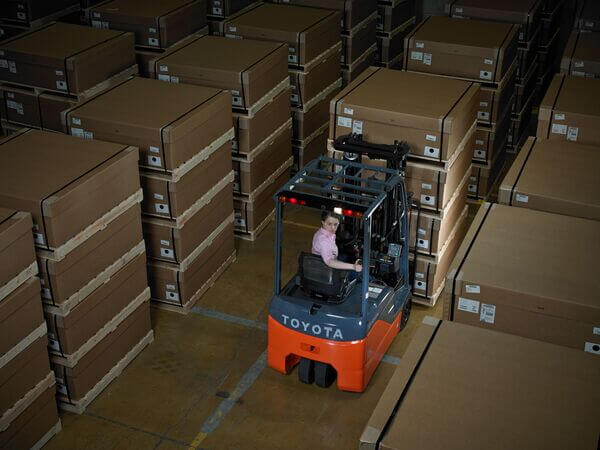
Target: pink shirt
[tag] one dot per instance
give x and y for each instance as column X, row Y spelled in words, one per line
column 324, row 244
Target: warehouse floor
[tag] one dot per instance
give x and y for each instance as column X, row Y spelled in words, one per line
column 204, row 383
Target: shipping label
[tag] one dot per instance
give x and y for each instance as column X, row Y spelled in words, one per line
column 559, row 129
column 357, row 126
column 468, row 305
column 416, row 56
column 427, row 59
column 522, row 198
column 485, row 74
column 345, row 122
column 472, row 289
column 488, row 313
column 572, row 133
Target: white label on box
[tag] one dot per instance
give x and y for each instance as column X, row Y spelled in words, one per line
column 426, row 186
column 166, row 252
column 172, row 296
column 61, row 85
column 558, row 116
column 235, row 92
column 234, row 144
column 579, row 63
column 21, row 15
column 153, row 42
column 293, row 58
column 483, row 104
column 165, row 242
column 522, row 198
column 472, row 289
column 357, row 126
column 578, row 73
column 154, row 161
column 232, row 29
column 163, row 77
column 572, row 133
column 151, row 30
column 485, row 74
column 158, row 196
column 61, row 388
column 419, row 275
column 591, row 347
column 154, row 149
column 488, row 313
column 171, row 287
column 96, row 24
column 483, row 115
column 46, row 293
column 422, row 232
column 431, row 138
column 96, row 14
column 427, row 59
column 77, row 132
column 105, row 25
column 12, row 67
column 76, row 120
column 478, row 142
column 432, row 152
column 423, row 243
column 59, row 73
column 416, row 56
column 458, row 10
column 488, row 61
column 163, row 68
column 236, row 186
column 53, row 344
column 472, row 188
column 3, row 64
column 161, row 208
column 468, row 305
column 217, row 11
column 420, row 285
column 521, row 36
column 345, row 122
column 174, row 79
column 428, row 200
column 596, row 330
column 38, row 238
column 479, row 153
column 88, row 135
column 348, row 111
column 236, row 100
column 559, row 129
column 10, row 95
column 240, row 222
column 589, row 24
column 295, row 98
column 420, row 44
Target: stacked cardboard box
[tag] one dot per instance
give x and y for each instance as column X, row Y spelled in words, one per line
column 256, row 73
column 582, row 55
column 314, row 49
column 481, row 389
column 28, row 415
column 29, row 14
column 475, row 50
column 554, row 177
column 538, row 286
column 184, row 135
column 570, row 110
column 436, row 117
column 50, row 69
column 84, row 199
column 395, row 19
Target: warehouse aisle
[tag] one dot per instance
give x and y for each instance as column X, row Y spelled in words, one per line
column 204, row 383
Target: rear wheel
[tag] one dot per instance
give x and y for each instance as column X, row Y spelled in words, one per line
column 406, row 313
column 324, row 374
column 306, row 371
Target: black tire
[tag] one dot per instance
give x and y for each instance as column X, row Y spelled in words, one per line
column 406, row 313
column 324, row 374
column 306, row 371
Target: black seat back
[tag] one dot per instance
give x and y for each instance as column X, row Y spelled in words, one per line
column 319, row 280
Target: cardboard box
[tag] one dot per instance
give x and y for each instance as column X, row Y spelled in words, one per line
column 569, row 110
column 155, row 24
column 17, row 253
column 537, row 286
column 554, row 177
column 472, row 49
column 171, row 284
column 309, row 32
column 357, row 41
column 393, row 15
column 66, row 184
column 171, row 197
column 225, row 8
column 26, row 11
column 352, row 12
column 166, row 241
column 169, row 130
column 20, row 315
column 527, row 14
column 489, row 141
column 23, row 372
column 391, row 45
column 64, row 279
column 250, row 69
column 315, row 77
column 305, row 124
column 73, row 334
column 380, row 103
column 255, row 168
column 588, row 17
column 546, row 395
column 484, row 176
column 35, row 426
column 78, row 385
column 495, row 101
column 351, row 72
column 310, row 149
column 582, row 55
column 66, row 58
column 252, row 130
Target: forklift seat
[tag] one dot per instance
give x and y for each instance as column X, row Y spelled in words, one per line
column 319, row 280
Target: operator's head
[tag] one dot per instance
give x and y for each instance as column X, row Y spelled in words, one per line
column 330, row 221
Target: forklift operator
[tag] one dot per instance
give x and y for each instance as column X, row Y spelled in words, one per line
column 323, row 243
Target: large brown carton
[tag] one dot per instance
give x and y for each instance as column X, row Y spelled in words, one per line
column 168, row 241
column 155, row 24
column 431, row 114
column 183, row 286
column 68, row 185
column 554, row 177
column 391, row 15
column 353, row 11
column 527, row 14
column 17, row 253
column 508, row 392
column 570, row 110
column 357, row 41
column 483, row 178
column 75, row 333
column 172, row 197
column 309, row 32
column 472, row 49
column 495, row 102
column 68, row 280
column 170, row 123
column 250, row 69
column 512, row 274
column 25, row 12
column 225, row 8
column 582, row 55
column 489, row 142
column 64, row 57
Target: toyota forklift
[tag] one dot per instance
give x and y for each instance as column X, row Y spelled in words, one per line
column 335, row 323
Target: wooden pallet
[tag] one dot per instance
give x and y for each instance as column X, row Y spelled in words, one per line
column 253, row 235
column 56, row 428
column 17, row 281
column 24, row 402
column 265, row 99
column 40, row 331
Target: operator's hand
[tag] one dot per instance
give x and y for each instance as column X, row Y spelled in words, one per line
column 358, row 266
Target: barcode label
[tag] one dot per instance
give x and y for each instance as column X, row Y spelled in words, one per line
column 488, row 313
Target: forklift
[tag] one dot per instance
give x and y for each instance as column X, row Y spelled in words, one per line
column 332, row 323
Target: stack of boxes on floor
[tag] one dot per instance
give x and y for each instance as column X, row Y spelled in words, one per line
column 50, row 69
column 395, row 19
column 220, row 10
column 436, row 116
column 28, row 415
column 84, row 199
column 184, row 135
column 582, row 55
column 314, row 49
column 256, row 73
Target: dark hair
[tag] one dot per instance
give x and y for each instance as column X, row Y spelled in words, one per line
column 326, row 214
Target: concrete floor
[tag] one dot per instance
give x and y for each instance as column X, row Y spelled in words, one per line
column 204, row 383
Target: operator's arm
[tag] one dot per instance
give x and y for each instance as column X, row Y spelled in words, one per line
column 337, row 264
